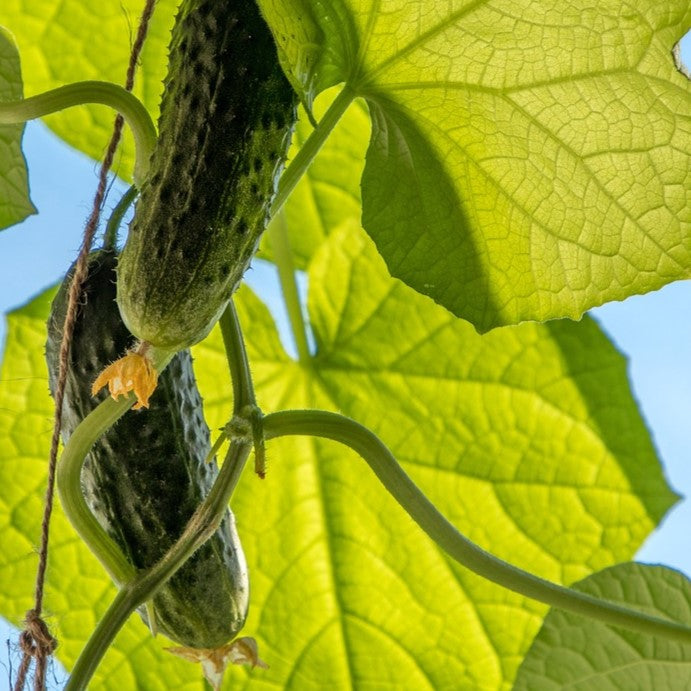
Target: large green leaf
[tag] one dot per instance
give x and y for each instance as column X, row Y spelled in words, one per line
column 529, row 160
column 509, row 433
column 64, row 41
column 15, row 204
column 580, row 654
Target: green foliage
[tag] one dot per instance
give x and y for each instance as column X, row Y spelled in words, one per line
column 506, row 427
column 580, row 654
column 450, row 404
column 15, row 204
column 64, row 41
column 523, row 165
column 527, row 161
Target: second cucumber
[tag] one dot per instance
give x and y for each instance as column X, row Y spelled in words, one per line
column 146, row 476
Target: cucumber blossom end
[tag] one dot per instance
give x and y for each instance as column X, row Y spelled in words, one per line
column 241, row 651
column 134, row 372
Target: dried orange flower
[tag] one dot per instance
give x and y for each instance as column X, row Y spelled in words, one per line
column 241, row 651
column 133, row 372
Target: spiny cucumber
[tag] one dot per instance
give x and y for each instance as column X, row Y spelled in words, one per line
column 226, row 118
column 145, row 477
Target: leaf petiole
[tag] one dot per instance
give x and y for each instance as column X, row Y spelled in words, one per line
column 318, row 423
column 82, row 93
column 280, row 244
column 310, row 148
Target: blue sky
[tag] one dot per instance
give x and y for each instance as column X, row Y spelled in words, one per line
column 653, row 330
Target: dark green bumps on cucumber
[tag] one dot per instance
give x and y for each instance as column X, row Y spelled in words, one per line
column 144, row 478
column 227, row 115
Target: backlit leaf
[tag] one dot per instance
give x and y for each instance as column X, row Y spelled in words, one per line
column 579, row 654
column 529, row 160
column 15, row 204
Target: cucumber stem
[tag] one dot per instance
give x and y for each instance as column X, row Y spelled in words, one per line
column 244, row 399
column 70, row 490
column 299, row 165
column 81, row 93
column 238, row 364
column 339, row 428
column 280, row 243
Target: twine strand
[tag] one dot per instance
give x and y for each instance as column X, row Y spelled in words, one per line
column 36, row 640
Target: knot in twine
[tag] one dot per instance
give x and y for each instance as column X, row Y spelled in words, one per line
column 36, row 640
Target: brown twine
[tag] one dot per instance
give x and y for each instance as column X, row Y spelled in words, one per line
column 36, row 640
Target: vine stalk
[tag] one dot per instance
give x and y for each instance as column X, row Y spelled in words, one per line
column 310, row 148
column 319, row 423
column 280, row 244
column 97, row 92
column 236, row 356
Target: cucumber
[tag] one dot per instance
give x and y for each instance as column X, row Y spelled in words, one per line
column 227, row 115
column 145, row 477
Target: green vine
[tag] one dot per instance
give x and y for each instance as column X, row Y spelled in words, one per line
column 319, row 423
column 311, row 147
column 69, row 480
column 81, row 93
column 110, row 236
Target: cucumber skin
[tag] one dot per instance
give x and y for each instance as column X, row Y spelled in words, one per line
column 145, row 477
column 227, row 116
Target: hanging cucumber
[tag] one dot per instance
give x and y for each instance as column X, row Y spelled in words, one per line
column 226, row 118
column 145, row 477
